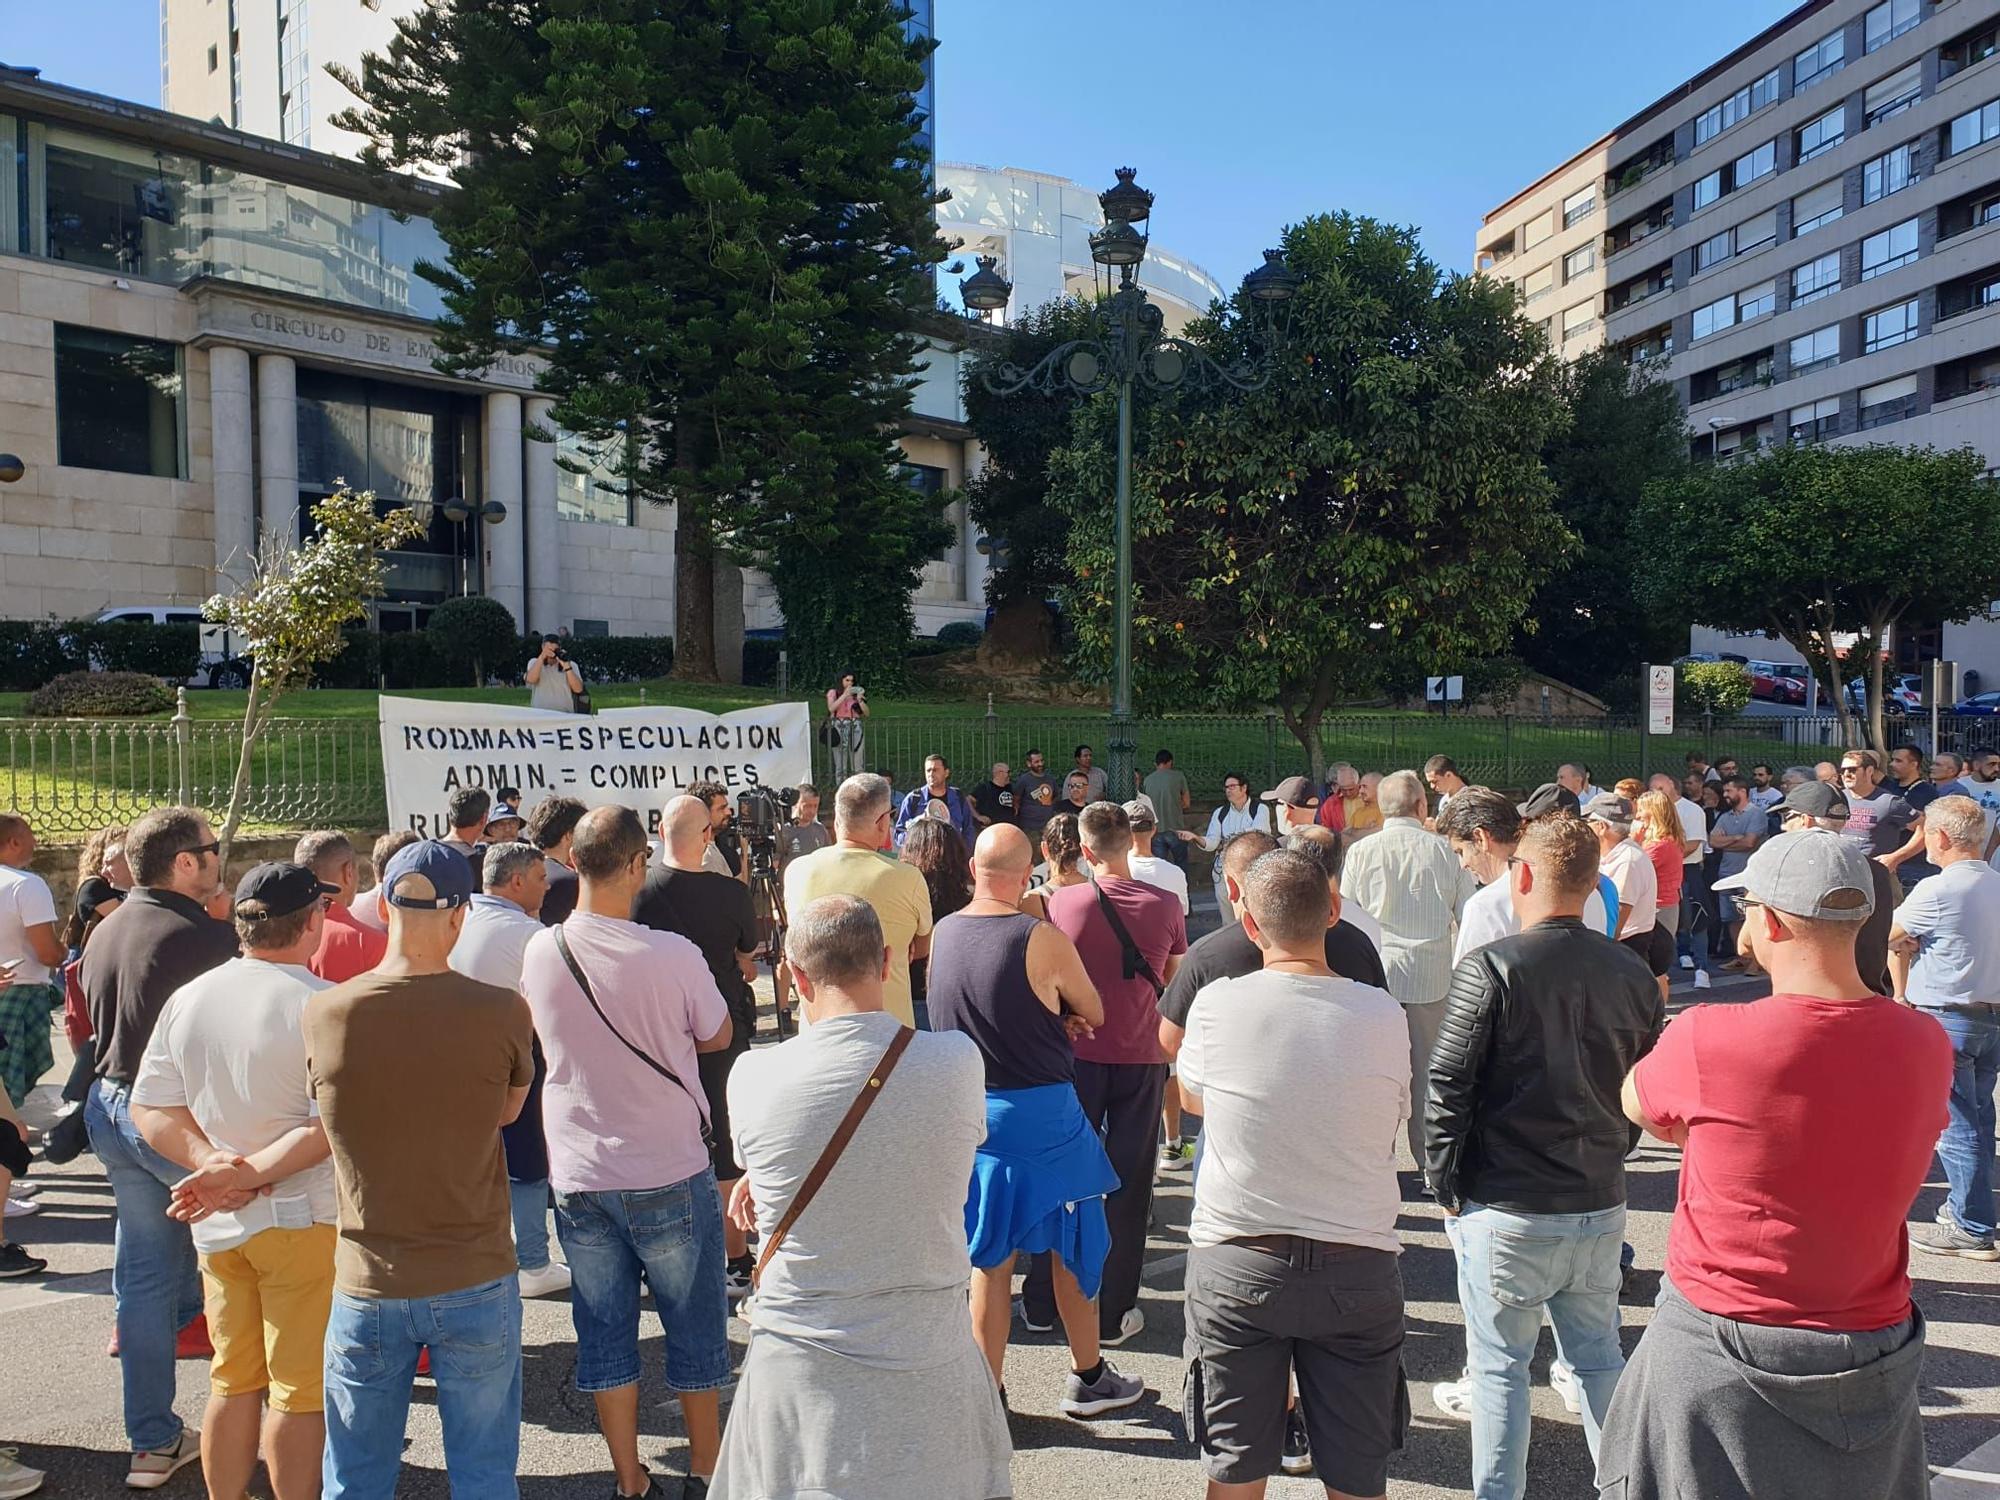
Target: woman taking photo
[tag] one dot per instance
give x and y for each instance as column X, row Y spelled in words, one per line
column 1062, row 847
column 846, row 707
column 934, row 849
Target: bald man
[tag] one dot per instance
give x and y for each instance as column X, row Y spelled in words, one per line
column 1017, row 986
column 712, row 911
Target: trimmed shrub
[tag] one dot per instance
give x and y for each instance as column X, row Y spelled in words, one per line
column 474, row 638
column 760, row 660
column 170, row 651
column 1715, row 687
column 960, row 633
column 613, row 658
column 359, row 664
column 409, row 659
column 100, row 695
column 32, row 652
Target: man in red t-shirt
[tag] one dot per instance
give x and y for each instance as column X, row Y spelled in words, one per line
column 346, row 948
column 1783, row 1356
column 1120, row 1070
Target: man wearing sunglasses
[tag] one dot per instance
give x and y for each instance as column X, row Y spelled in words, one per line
column 157, row 940
column 1878, row 821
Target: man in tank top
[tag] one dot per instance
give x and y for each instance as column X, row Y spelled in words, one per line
column 1018, row 988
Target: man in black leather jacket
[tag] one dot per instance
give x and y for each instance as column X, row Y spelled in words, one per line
column 1525, row 1141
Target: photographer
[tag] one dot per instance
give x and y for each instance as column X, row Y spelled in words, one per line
column 724, row 855
column 552, row 678
column 846, row 707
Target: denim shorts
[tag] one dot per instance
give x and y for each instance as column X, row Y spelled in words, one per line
column 671, row 1237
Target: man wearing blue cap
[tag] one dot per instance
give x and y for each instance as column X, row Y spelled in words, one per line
column 414, row 1068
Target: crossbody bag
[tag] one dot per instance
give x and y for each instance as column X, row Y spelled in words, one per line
column 576, row 973
column 843, row 1133
column 1135, row 961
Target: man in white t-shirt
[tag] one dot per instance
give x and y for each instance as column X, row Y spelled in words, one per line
column 1610, row 818
column 1163, row 874
column 29, row 954
column 1304, row 1080
column 1483, row 829
column 1982, row 784
column 224, row 1091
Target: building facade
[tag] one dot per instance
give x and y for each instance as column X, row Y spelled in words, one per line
column 201, row 333
column 1805, row 236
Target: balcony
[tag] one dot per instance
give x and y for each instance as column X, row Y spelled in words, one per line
column 1968, row 48
column 1969, row 293
column 1727, row 380
column 1631, row 293
column 1496, row 255
column 1974, row 210
column 1653, row 344
column 1628, row 175
column 1965, row 377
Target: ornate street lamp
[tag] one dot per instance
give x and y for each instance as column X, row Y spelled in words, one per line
column 1129, row 345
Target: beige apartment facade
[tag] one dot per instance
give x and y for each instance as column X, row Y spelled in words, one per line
column 1805, row 239
column 202, row 333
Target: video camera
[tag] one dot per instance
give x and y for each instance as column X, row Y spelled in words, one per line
column 760, row 812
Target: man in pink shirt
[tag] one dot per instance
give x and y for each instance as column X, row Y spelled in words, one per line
column 1132, row 937
column 1783, row 1356
column 346, row 947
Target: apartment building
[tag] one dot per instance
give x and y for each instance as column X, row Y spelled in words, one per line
column 1806, row 236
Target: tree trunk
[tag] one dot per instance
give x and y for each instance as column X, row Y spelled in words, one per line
column 254, row 716
column 694, row 582
column 1877, row 731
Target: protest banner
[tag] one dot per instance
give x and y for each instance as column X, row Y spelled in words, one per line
column 639, row 757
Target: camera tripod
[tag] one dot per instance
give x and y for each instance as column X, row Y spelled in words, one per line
column 767, row 901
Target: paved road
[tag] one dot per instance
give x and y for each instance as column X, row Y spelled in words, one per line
column 59, row 1395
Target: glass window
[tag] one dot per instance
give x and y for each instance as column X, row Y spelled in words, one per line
column 1578, row 261
column 1887, row 173
column 119, row 207
column 1736, row 108
column 1890, row 20
column 1715, row 250
column 1816, row 278
column 1757, row 231
column 118, row 403
column 1754, row 164
column 1821, row 60
column 1822, row 134
column 1756, row 301
column 1893, row 94
column 1893, row 247
column 1708, row 189
column 1821, row 419
column 1816, row 208
column 1972, row 128
column 1538, row 283
column 1579, row 319
column 592, row 481
column 1538, row 229
column 1579, row 206
column 1715, row 317
column 1815, row 350
column 1891, row 401
column 1889, row 326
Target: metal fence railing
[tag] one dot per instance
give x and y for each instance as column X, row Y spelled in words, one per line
column 70, row 777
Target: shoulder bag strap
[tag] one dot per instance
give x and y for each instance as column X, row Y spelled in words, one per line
column 1135, row 961
column 823, row 1168
column 576, row 973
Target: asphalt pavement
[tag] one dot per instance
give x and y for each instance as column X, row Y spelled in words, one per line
column 60, row 1404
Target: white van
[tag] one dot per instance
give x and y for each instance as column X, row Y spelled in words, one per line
column 222, row 661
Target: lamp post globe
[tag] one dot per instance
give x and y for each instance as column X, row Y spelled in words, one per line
column 1274, row 281
column 986, row 290
column 456, row 510
column 1126, row 202
column 11, row 468
column 493, row 512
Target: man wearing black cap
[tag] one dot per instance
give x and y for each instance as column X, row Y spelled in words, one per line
column 415, row 1068
column 223, row 1092
column 552, row 678
column 1294, row 804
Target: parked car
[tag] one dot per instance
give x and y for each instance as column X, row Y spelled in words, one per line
column 1978, row 703
column 222, row 662
column 1897, row 700
column 1776, row 682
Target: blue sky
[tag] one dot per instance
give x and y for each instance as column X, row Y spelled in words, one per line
column 1241, row 116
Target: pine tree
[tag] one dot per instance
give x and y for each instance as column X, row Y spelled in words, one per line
column 714, row 219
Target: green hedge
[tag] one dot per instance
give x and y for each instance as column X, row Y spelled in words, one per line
column 33, row 652
column 93, row 695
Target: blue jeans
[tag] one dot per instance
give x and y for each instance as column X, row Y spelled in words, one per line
column 1510, row 1268
column 1172, row 848
column 372, row 1343
column 672, row 1238
column 530, row 1202
column 1966, row 1147
column 155, row 1280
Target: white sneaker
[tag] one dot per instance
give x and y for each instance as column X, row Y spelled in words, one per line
column 1701, row 979
column 27, row 1189
column 1129, row 1327
column 20, row 1208
column 1454, row 1398
column 1562, row 1380
column 545, row 1281
column 151, row 1470
column 17, row 1479
column 1686, row 962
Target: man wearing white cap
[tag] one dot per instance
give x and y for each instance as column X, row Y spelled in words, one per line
column 1784, row 1354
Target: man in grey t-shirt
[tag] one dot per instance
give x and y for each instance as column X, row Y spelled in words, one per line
column 552, row 678
column 1167, row 790
column 1738, row 830
column 1034, row 808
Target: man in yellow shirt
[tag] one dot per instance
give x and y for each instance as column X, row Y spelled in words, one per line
column 856, row 865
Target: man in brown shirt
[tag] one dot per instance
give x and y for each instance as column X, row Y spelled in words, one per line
column 415, row 1068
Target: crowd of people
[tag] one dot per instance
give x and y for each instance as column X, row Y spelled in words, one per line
column 338, row 1122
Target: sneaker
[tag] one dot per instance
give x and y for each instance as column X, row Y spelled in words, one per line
column 1109, row 1392
column 26, row 1189
column 1562, row 1380
column 17, row 1479
column 1129, row 1327
column 1021, row 1313
column 1687, row 961
column 1177, row 1153
column 19, row 1207
column 650, row 1492
column 1949, row 1239
column 736, row 1278
column 1736, row 966
column 545, row 1281
column 151, row 1470
column 1701, row 980
column 14, row 1261
column 1454, row 1398
column 1296, row 1457
column 1943, row 1215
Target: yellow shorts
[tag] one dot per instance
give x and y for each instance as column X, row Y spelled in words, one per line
column 267, row 1302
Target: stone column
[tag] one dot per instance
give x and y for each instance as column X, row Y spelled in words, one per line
column 505, row 544
column 230, row 425
column 977, row 564
column 544, row 537
column 278, row 449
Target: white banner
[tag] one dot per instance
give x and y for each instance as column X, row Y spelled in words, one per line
column 640, row 757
